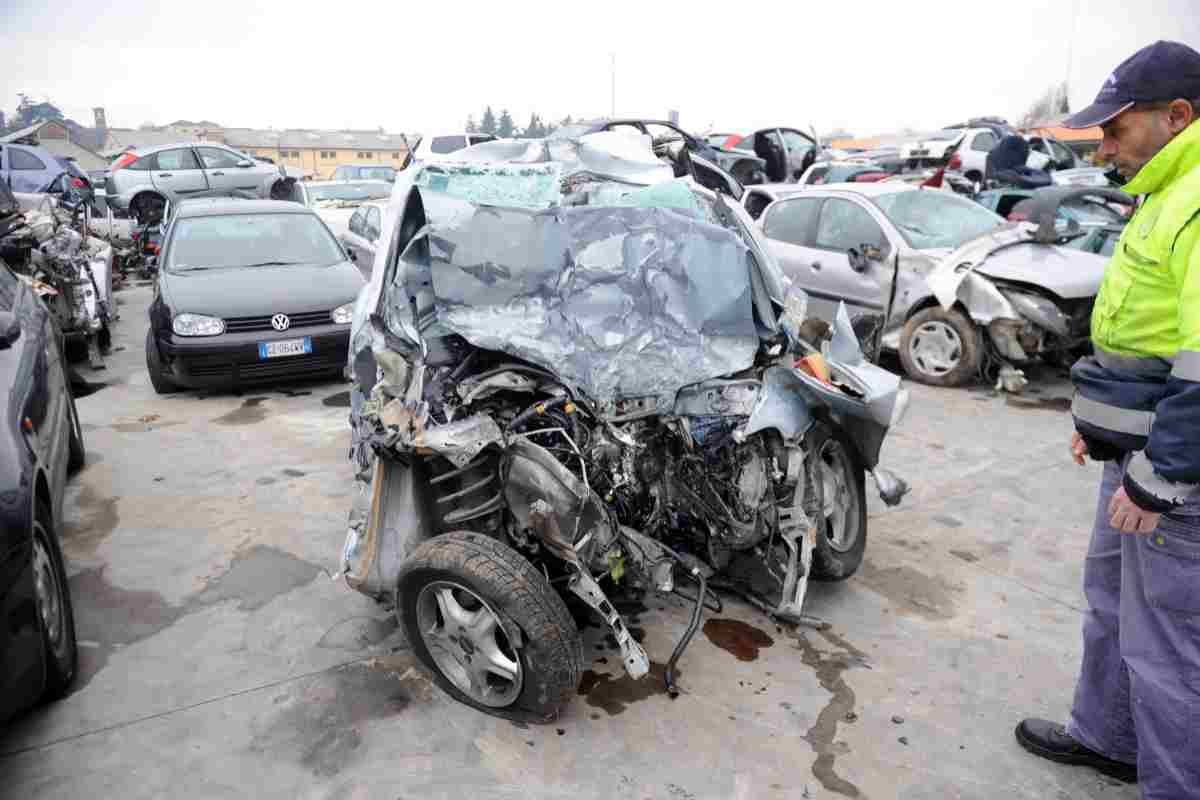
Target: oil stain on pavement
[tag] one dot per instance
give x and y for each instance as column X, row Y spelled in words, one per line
column 321, row 721
column 100, row 519
column 911, row 591
column 829, row 668
column 615, row 693
column 249, row 412
column 737, row 637
column 339, row 400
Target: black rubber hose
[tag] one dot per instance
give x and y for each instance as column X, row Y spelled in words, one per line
column 697, row 611
column 540, row 407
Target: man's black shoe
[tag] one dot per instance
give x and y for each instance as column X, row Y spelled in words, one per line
column 1051, row 740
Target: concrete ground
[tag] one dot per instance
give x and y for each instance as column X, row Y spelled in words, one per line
column 220, row 659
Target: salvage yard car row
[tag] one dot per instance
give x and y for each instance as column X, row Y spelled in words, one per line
column 687, row 393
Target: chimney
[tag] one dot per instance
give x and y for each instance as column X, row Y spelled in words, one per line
column 101, row 123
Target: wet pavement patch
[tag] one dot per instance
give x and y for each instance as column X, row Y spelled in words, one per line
column 257, row 576
column 320, row 723
column 99, row 519
column 911, row 591
column 293, row 473
column 249, row 412
column 615, row 693
column 108, row 617
column 339, row 400
column 840, row 708
column 358, row 633
column 1045, row 403
column 737, row 637
column 265, row 481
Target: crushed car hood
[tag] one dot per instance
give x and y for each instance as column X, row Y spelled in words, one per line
column 1010, row 254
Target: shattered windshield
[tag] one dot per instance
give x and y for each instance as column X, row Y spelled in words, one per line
column 244, row 240
column 930, row 220
column 348, row 193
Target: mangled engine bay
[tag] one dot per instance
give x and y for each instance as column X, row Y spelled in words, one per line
column 576, row 371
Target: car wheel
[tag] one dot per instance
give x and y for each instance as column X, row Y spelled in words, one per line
column 842, row 527
column 154, row 367
column 941, row 348
column 55, row 615
column 490, row 627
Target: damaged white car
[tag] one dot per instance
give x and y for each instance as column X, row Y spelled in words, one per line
column 954, row 288
column 578, row 378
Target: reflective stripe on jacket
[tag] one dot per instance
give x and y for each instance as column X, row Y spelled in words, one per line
column 1141, row 390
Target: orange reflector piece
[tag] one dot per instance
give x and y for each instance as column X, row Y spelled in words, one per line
column 816, row 366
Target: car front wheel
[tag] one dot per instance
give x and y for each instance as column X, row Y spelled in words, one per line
column 941, row 348
column 55, row 614
column 155, row 368
column 490, row 627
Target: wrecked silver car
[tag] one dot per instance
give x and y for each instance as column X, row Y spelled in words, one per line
column 578, row 378
column 951, row 286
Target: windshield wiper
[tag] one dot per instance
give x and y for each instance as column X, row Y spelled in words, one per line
column 273, row 264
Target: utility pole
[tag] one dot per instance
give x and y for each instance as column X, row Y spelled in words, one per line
column 613, row 75
column 1071, row 46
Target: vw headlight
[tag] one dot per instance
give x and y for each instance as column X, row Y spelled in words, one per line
column 197, row 325
column 343, row 315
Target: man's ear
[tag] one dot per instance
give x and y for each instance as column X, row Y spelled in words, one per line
column 1180, row 114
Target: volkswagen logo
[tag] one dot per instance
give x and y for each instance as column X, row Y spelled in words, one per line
column 280, row 322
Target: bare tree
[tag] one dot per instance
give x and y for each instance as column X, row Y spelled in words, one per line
column 1051, row 103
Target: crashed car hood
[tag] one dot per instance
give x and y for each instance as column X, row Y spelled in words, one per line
column 262, row 291
column 1009, row 254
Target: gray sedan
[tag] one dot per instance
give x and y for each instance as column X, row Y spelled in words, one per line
column 144, row 181
column 948, row 284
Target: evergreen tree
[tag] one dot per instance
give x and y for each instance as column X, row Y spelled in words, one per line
column 488, row 123
column 471, row 126
column 504, row 129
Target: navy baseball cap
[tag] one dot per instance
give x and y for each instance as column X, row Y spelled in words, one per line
column 1157, row 72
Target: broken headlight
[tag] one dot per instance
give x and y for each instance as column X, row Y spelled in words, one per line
column 197, row 325
column 343, row 315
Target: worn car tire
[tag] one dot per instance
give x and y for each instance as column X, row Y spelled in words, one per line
column 838, row 562
column 961, row 367
column 154, row 367
column 550, row 651
column 62, row 652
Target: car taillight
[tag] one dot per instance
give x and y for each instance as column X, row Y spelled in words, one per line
column 955, row 161
column 78, row 184
column 124, row 161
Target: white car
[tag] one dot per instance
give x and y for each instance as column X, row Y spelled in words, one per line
column 335, row 201
column 361, row 234
column 430, row 147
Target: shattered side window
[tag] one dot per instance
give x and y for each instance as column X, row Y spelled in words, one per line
column 530, row 186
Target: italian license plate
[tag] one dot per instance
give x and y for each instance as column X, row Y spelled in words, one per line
column 285, row 347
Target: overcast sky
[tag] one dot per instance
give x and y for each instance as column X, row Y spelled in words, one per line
column 424, row 66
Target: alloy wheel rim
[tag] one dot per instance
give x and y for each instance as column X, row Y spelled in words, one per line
column 466, row 640
column 840, row 501
column 47, row 591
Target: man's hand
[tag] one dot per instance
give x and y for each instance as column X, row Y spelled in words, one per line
column 1079, row 449
column 1127, row 517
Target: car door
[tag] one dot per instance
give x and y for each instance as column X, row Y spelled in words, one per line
column 354, row 237
column 223, row 173
column 27, row 171
column 799, row 151
column 790, row 228
column 974, row 156
column 370, row 236
column 177, row 173
column 843, row 223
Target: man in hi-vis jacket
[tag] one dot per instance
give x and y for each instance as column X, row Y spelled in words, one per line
column 1136, row 714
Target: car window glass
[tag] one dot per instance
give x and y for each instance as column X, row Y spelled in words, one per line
column 796, row 143
column 844, row 224
column 241, row 240
column 182, row 158
column 817, row 175
column 625, row 127
column 1060, row 152
column 984, row 142
column 216, row 158
column 20, row 159
column 791, row 220
column 447, row 144
column 481, row 138
column 663, row 133
column 356, row 222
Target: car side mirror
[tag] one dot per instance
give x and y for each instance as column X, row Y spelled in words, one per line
column 10, row 329
column 858, row 260
column 245, row 162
